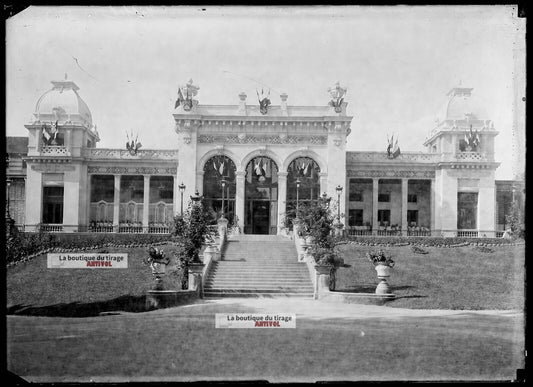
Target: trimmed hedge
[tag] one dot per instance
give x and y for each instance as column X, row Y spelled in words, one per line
column 427, row 241
column 24, row 246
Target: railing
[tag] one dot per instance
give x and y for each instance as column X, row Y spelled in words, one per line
column 130, row 228
column 419, row 233
column 51, row 227
column 467, row 234
column 156, row 154
column 55, row 150
column 382, row 156
column 471, row 156
column 101, row 227
column 159, row 229
column 389, row 232
column 358, row 230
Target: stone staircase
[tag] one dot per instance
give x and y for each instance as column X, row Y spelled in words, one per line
column 258, row 266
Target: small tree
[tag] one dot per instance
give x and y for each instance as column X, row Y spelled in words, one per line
column 193, row 228
column 514, row 221
column 318, row 221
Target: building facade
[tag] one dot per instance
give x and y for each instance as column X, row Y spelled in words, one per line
column 255, row 163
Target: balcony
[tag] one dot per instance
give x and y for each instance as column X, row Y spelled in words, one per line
column 54, row 150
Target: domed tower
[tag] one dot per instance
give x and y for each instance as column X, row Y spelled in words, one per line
column 60, row 131
column 464, row 179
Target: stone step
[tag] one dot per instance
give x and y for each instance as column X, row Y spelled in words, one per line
column 244, row 282
column 260, row 289
column 208, row 295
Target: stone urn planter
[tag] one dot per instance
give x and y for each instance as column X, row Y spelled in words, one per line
column 195, row 277
column 158, row 262
column 322, row 283
column 383, row 272
column 383, row 265
column 210, row 251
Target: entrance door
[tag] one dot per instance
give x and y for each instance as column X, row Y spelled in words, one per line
column 260, row 217
column 261, row 196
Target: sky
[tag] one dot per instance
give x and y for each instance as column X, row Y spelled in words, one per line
column 397, row 62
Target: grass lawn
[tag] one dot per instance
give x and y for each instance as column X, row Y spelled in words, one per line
column 32, row 283
column 445, row 278
column 183, row 344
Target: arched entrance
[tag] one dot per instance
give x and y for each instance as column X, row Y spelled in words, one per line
column 307, row 172
column 261, row 196
column 219, row 175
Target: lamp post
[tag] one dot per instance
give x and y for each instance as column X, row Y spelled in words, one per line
column 182, row 190
column 8, row 184
column 339, row 190
column 297, row 194
column 223, row 183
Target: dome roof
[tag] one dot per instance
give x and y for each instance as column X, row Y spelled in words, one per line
column 64, row 104
column 462, row 104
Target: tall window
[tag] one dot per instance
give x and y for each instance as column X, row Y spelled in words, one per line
column 355, row 217
column 52, row 205
column 384, row 217
column 412, row 218
column 467, row 210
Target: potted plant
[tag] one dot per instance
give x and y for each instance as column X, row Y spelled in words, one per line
column 383, row 265
column 158, row 262
column 327, row 261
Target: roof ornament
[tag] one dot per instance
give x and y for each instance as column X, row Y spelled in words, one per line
column 132, row 145
column 186, row 94
column 393, row 149
column 337, row 93
column 264, row 101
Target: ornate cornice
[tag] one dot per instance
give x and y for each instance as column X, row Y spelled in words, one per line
column 247, row 139
column 53, row 167
column 132, row 170
column 391, row 173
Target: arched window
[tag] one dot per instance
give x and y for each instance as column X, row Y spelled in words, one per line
column 219, row 183
column 306, row 171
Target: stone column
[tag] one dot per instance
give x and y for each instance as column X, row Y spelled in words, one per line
column 116, row 203
column 199, row 185
column 68, row 140
column 405, row 190
column 375, row 190
column 282, row 198
column 432, row 206
column 239, row 199
column 88, row 203
column 323, row 182
column 146, row 203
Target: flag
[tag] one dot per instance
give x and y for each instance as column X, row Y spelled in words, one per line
column 258, row 167
column 214, row 166
column 46, row 134
column 221, row 169
column 396, row 151
column 305, row 168
column 179, row 100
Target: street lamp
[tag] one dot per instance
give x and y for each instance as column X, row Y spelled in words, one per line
column 182, row 190
column 339, row 190
column 8, row 184
column 297, row 194
column 223, row 183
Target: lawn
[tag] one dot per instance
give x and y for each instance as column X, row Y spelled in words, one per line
column 445, row 278
column 32, row 283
